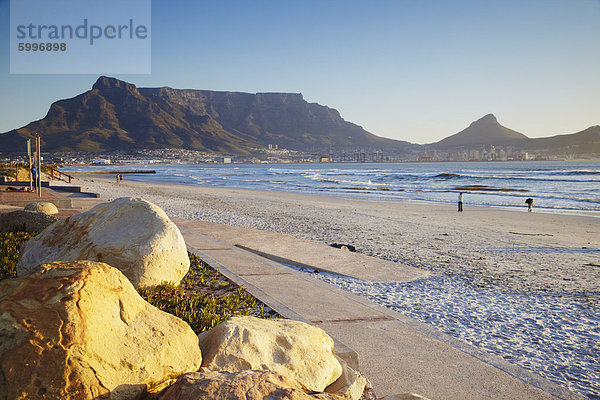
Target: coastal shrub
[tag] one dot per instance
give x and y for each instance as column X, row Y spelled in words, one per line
column 8, row 171
column 10, row 243
column 205, row 298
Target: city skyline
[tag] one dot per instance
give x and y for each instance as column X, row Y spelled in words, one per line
column 406, row 70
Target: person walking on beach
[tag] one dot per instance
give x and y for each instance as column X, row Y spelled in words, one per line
column 529, row 203
column 117, row 178
column 460, row 201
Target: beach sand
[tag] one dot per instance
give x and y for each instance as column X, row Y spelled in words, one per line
column 521, row 285
column 491, row 248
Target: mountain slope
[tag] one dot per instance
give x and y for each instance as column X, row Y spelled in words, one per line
column 584, row 142
column 484, row 131
column 116, row 115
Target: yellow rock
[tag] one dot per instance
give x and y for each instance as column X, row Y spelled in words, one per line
column 245, row 385
column 294, row 349
column 130, row 234
column 79, row 330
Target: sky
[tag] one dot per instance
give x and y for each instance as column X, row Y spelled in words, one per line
column 414, row 70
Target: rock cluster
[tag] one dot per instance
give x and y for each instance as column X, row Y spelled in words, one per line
column 78, row 329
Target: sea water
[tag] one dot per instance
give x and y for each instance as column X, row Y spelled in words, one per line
column 556, row 186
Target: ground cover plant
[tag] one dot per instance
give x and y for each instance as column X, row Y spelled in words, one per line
column 204, row 299
column 10, row 243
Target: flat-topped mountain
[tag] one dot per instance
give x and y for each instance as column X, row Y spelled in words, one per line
column 116, row 115
column 484, row 131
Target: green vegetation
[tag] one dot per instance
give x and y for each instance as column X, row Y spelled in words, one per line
column 10, row 243
column 7, row 170
column 205, row 298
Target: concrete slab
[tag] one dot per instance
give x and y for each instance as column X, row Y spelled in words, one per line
column 397, row 353
column 313, row 299
column 291, row 250
column 399, row 359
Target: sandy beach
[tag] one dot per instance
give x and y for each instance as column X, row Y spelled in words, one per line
column 488, row 247
column 524, row 286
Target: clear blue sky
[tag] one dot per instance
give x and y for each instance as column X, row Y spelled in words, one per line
column 415, row 70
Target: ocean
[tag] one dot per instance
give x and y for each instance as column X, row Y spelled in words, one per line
column 556, row 186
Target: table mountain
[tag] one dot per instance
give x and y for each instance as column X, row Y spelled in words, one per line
column 116, row 115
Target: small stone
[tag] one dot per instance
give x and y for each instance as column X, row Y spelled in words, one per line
column 244, row 385
column 42, row 207
column 29, row 221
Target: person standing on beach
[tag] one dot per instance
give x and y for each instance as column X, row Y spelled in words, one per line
column 460, row 201
column 117, row 178
column 34, row 177
column 529, row 203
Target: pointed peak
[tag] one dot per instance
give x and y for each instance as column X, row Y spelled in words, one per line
column 488, row 120
column 106, row 82
column 488, row 117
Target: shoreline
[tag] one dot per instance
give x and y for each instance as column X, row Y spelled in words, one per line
column 494, row 236
column 556, row 190
column 522, row 285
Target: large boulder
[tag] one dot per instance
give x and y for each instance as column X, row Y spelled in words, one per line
column 244, row 385
column 294, row 349
column 43, row 207
column 130, row 234
column 29, row 221
column 79, row 330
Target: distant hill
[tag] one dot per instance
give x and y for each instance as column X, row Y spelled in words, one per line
column 487, row 131
column 484, row 131
column 584, row 142
column 116, row 115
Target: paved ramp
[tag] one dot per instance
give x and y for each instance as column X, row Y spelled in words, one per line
column 397, row 354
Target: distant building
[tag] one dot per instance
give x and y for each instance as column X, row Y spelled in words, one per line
column 223, row 160
column 101, row 161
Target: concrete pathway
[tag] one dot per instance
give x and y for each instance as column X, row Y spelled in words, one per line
column 397, row 353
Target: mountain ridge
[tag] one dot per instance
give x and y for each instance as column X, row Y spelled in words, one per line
column 117, row 115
